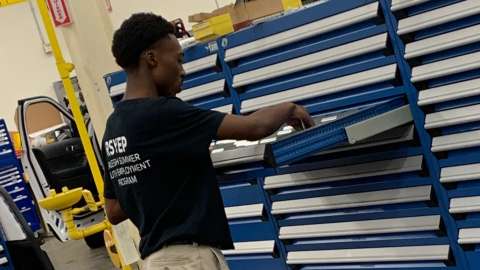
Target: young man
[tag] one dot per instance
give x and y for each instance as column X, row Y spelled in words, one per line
column 156, row 148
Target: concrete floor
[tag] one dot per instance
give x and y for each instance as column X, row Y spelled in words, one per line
column 76, row 255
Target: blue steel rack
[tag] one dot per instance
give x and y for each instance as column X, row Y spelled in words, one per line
column 11, row 178
column 408, row 204
column 439, row 47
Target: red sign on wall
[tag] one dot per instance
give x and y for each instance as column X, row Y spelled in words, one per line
column 59, row 11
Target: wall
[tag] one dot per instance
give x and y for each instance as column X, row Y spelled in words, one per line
column 25, row 70
column 170, row 9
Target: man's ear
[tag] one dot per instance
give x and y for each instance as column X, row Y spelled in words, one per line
column 151, row 58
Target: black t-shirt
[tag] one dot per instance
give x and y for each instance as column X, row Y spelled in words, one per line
column 156, row 151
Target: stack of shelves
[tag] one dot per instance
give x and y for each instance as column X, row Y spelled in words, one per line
column 11, row 178
column 441, row 44
column 394, row 189
column 370, row 208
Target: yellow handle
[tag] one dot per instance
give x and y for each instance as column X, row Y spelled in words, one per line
column 88, row 197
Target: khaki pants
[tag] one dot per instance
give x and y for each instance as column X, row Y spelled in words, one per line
column 186, row 257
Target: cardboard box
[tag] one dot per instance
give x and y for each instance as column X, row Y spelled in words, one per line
column 243, row 12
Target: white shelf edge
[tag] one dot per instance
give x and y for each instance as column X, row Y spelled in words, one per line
column 200, row 64
column 456, row 141
column 352, row 200
column 460, row 173
column 118, row 89
column 361, row 170
column 386, row 254
column 252, row 247
column 469, row 236
column 449, row 92
column 244, row 211
column 202, row 90
column 446, row 67
column 438, row 16
column 364, row 227
column 443, row 42
column 224, row 109
column 464, row 205
column 452, row 117
column 401, row 4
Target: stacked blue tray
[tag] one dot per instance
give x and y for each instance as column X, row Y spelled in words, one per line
column 441, row 44
column 11, row 178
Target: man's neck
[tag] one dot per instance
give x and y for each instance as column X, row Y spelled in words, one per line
column 140, row 86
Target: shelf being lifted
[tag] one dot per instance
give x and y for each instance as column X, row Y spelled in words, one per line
column 367, row 124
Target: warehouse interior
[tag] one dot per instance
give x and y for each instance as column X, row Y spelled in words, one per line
column 385, row 177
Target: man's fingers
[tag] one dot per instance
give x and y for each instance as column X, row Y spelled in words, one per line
column 306, row 118
column 309, row 121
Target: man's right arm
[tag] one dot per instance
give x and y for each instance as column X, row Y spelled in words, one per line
column 263, row 122
column 115, row 213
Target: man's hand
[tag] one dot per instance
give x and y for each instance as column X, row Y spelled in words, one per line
column 264, row 122
column 300, row 118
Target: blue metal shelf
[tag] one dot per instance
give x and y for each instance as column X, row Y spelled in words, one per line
column 11, row 178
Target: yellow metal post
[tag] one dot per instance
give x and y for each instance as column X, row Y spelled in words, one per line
column 64, row 69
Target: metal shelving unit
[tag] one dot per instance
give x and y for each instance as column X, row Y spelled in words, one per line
column 394, row 189
column 11, row 178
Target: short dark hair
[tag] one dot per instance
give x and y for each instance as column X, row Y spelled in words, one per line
column 137, row 34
